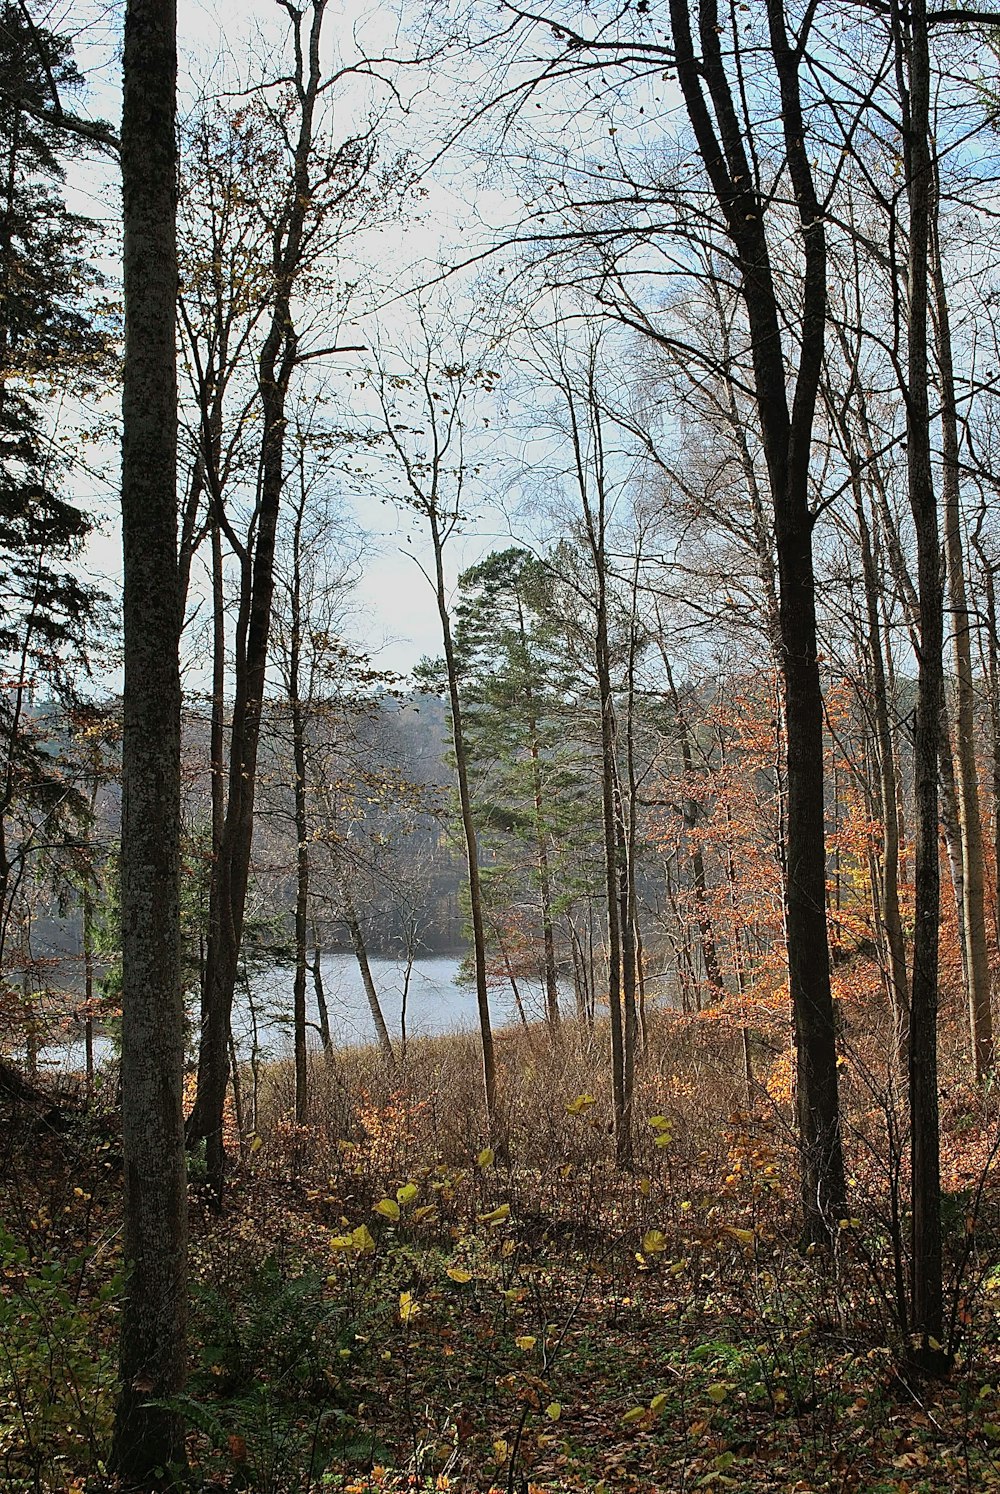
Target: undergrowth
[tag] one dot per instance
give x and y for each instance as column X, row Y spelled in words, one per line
column 392, row 1298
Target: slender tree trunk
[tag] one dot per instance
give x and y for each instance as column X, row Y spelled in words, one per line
column 323, row 1014
column 149, row 1432
column 690, row 814
column 301, row 825
column 891, row 920
column 993, row 675
column 469, row 830
column 621, row 1096
column 88, row 982
column 787, row 440
column 977, row 964
column 278, row 360
column 588, row 448
column 927, row 1285
column 361, row 955
column 544, row 885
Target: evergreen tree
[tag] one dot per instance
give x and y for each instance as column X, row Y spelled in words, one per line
column 51, row 344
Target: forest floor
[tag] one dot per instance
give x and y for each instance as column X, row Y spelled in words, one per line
column 387, row 1303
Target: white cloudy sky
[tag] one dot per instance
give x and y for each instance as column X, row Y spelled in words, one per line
column 394, row 612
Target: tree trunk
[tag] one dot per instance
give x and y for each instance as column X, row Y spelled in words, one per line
column 927, row 1285
column 787, row 439
column 977, row 966
column 469, row 829
column 301, row 827
column 278, row 359
column 897, row 979
column 361, row 955
column 325, row 1036
column 544, row 886
column 149, row 1432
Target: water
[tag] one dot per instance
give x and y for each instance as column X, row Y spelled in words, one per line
column 435, row 1004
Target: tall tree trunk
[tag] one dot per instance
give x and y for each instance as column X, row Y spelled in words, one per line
column 927, row 1285
column 301, row 821
column 787, row 439
column 301, row 901
column 689, row 815
column 977, row 964
column 88, row 981
column 277, row 363
column 588, row 451
column 993, row 676
column 891, row 920
column 206, row 1119
column 544, row 885
column 149, row 1431
column 469, row 831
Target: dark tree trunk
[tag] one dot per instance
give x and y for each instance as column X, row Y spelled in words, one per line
column 977, row 966
column 927, row 1287
column 325, row 1035
column 277, row 363
column 469, row 831
column 149, row 1434
column 787, row 438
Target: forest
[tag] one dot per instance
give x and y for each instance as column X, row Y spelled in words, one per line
column 500, row 774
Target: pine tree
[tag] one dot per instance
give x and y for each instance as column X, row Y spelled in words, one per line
column 51, row 343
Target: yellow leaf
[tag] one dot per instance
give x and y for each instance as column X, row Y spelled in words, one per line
column 636, row 1414
column 406, row 1194
column 553, row 1410
column 457, row 1274
column 579, row 1105
column 362, row 1240
column 408, row 1309
column 718, row 1393
column 526, row 1341
column 426, row 1211
column 645, row 1187
column 660, row 1122
column 485, row 1157
column 256, row 1144
column 664, row 1139
column 745, row 1236
column 495, row 1216
column 501, row 1450
column 654, row 1242
column 388, row 1208
column 658, row 1402
column 341, row 1242
column 678, row 1266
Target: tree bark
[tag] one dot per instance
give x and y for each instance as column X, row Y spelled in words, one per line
column 149, row 1434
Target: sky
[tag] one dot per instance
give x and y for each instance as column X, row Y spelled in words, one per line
column 394, row 614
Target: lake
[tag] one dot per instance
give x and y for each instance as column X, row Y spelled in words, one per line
column 434, row 1004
